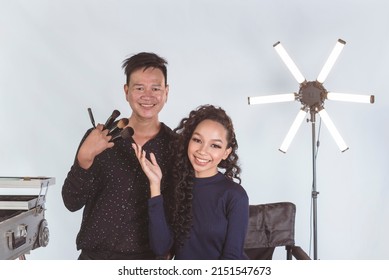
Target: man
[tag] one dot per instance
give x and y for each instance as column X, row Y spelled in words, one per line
column 106, row 178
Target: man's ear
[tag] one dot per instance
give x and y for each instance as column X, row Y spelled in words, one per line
column 167, row 93
column 125, row 87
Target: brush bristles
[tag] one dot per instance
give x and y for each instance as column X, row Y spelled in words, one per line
column 115, row 114
column 127, row 132
column 122, row 123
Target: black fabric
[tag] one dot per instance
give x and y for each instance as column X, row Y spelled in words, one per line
column 270, row 225
column 113, row 195
column 90, row 255
column 260, row 253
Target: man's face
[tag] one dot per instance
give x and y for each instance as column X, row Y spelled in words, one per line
column 146, row 92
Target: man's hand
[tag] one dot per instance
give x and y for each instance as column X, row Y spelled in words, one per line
column 96, row 142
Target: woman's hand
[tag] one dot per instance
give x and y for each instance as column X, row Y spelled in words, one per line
column 150, row 168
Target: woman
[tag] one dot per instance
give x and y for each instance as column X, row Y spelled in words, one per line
column 210, row 216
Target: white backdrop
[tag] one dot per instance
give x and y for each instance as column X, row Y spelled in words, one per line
column 57, row 58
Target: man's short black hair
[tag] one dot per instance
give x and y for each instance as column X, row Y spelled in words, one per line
column 144, row 60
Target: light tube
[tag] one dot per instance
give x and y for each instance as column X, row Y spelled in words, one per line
column 293, row 130
column 331, row 61
column 289, row 62
column 272, row 98
column 334, row 132
column 337, row 96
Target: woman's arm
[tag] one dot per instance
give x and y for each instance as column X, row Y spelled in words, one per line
column 238, row 216
column 161, row 237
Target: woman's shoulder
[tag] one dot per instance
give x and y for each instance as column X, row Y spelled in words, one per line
column 233, row 187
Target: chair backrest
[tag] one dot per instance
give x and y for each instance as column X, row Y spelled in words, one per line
column 270, row 225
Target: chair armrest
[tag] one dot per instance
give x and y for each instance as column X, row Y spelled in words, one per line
column 299, row 253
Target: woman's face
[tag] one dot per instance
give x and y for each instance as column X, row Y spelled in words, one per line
column 207, row 148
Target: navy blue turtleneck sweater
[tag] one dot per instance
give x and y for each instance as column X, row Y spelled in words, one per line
column 220, row 219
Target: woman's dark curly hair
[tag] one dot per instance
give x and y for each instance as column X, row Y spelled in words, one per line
column 184, row 172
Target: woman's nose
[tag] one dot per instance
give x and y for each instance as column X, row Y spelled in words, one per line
column 202, row 149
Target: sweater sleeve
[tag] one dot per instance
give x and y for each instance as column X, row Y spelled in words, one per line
column 238, row 215
column 160, row 234
column 78, row 187
column 80, row 184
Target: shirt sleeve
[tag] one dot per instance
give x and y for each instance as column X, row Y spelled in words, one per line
column 78, row 187
column 160, row 234
column 80, row 184
column 238, row 216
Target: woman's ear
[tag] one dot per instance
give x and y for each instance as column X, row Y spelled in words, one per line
column 227, row 153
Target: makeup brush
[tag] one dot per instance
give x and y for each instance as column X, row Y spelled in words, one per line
column 126, row 133
column 122, row 123
column 92, row 119
column 111, row 119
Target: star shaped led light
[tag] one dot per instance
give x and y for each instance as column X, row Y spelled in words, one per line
column 312, row 95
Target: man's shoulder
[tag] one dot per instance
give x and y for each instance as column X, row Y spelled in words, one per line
column 167, row 131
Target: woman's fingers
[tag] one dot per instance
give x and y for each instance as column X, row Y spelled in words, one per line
column 153, row 159
column 137, row 149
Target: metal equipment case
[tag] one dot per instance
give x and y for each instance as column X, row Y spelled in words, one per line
column 23, row 226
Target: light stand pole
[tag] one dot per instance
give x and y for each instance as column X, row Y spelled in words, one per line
column 312, row 95
column 314, row 188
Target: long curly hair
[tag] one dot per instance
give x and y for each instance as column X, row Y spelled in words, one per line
column 184, row 172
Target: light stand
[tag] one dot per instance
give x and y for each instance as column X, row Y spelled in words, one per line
column 312, row 95
column 314, row 189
